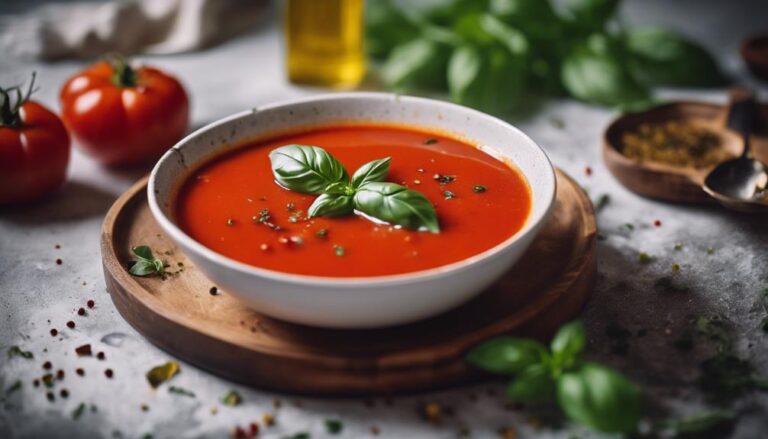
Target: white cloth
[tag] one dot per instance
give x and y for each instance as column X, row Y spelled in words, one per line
column 88, row 29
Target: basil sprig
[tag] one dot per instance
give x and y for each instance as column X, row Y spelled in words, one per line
column 311, row 169
column 146, row 264
column 588, row 393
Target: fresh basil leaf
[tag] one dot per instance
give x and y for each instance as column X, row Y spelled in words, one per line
column 663, row 57
column 375, row 170
column 339, row 188
column 418, row 63
column 488, row 78
column 386, row 27
column 144, row 267
column 535, row 18
column 396, row 204
column 706, row 424
column 590, row 15
column 600, row 398
column 568, row 344
column 307, row 169
column 507, row 355
column 534, row 384
column 331, row 205
column 600, row 78
column 142, row 251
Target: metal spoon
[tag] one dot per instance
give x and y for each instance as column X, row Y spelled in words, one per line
column 740, row 183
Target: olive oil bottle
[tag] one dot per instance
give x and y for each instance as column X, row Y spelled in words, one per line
column 324, row 42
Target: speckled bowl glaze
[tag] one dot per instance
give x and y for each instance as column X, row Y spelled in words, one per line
column 367, row 301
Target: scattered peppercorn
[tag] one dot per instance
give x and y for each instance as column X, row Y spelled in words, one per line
column 54, row 332
column 71, row 324
column 80, row 371
column 60, row 374
column 100, row 355
column 91, row 303
column 36, row 382
column 81, row 312
column 47, row 365
column 213, row 291
column 588, row 171
column 657, row 223
column 57, row 246
column 109, row 373
column 64, row 393
column 59, row 262
column 144, row 408
column 50, row 396
column 254, row 428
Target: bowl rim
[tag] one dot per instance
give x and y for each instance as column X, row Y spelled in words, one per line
column 530, row 227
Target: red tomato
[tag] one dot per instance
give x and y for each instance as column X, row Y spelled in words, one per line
column 123, row 116
column 34, row 150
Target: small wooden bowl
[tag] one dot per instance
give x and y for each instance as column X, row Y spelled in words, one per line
column 754, row 50
column 659, row 180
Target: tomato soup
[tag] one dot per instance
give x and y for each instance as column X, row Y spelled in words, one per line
column 233, row 205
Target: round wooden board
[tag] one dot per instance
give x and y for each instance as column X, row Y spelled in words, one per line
column 548, row 287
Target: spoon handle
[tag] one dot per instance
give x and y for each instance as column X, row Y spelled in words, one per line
column 741, row 116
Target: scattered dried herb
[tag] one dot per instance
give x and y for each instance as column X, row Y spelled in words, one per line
column 232, row 399
column 333, row 426
column 160, row 374
column 16, row 386
column 479, row 188
column 181, row 391
column 430, row 141
column 444, row 179
column 644, row 258
column 339, row 250
column 79, row 411
column 449, row 195
column 674, row 143
column 322, row 233
column 602, row 201
column 15, row 351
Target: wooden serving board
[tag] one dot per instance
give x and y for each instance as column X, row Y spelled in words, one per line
column 548, row 287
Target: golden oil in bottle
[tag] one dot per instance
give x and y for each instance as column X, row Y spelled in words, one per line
column 324, row 42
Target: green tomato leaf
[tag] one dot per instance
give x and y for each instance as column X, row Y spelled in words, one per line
column 534, row 384
column 507, row 355
column 375, row 170
column 307, row 169
column 396, row 204
column 142, row 251
column 418, row 63
column 331, row 205
column 662, row 57
column 600, row 398
column 568, row 344
column 488, row 78
column 600, row 77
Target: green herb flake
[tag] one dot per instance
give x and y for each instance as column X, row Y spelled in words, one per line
column 449, row 195
column 295, row 217
column 79, row 411
column 263, row 217
column 479, row 189
column 232, row 399
column 322, row 233
column 15, row 351
column 629, row 226
column 557, row 122
column 16, row 386
column 146, row 264
column 644, row 258
column 333, row 426
column 602, row 201
column 160, row 374
column 181, row 391
column 710, row 250
column 430, row 141
column 339, row 250
column 290, row 206
column 444, row 179
column 678, row 246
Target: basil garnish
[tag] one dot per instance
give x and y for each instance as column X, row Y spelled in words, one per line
column 307, row 169
column 146, row 264
column 311, row 169
column 396, row 204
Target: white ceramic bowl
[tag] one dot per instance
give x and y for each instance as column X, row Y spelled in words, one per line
column 367, row 301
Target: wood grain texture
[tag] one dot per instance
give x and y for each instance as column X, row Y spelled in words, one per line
column 548, row 287
column 672, row 183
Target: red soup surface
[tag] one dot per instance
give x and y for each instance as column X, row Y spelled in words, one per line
column 220, row 203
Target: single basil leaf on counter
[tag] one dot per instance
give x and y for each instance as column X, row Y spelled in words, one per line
column 307, row 169
column 600, row 77
column 662, row 57
column 331, row 205
column 375, row 170
column 567, row 345
column 534, row 384
column 398, row 205
column 600, row 398
column 507, row 355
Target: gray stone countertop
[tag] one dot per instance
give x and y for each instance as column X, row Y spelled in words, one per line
column 36, row 294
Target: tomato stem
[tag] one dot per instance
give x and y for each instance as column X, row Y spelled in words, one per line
column 9, row 108
column 124, row 75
